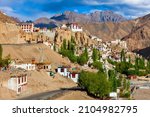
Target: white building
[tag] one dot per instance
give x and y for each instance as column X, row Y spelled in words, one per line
column 26, row 66
column 63, row 71
column 122, row 44
column 27, row 27
column 18, row 83
column 74, row 76
column 74, row 27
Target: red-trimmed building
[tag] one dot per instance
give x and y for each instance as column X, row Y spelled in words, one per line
column 74, row 27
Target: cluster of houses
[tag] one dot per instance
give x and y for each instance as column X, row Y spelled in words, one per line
column 16, row 78
column 67, row 71
column 29, row 27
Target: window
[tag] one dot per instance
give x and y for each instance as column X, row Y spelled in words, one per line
column 22, row 79
column 73, row 75
column 62, row 69
column 25, row 78
column 19, row 80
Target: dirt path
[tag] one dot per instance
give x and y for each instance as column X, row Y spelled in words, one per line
column 74, row 95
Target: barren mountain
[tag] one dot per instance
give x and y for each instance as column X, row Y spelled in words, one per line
column 97, row 16
column 45, row 22
column 9, row 31
column 139, row 37
column 4, row 18
column 108, row 31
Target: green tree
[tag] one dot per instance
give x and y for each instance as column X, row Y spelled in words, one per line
column 69, row 45
column 124, row 84
column 86, row 53
column 82, row 59
column 95, row 83
column 54, row 47
column 73, row 39
column 98, row 65
column 95, row 55
column 64, row 44
column 123, row 58
column 112, row 80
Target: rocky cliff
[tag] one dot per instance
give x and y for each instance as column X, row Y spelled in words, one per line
column 109, row 31
column 97, row 16
column 139, row 37
column 4, row 18
column 9, row 31
column 81, row 38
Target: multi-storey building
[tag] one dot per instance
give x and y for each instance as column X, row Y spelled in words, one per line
column 27, row 27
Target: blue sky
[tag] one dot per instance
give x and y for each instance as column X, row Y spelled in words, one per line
column 33, row 9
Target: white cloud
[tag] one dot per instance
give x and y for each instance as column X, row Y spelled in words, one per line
column 135, row 3
column 91, row 2
column 127, row 8
column 6, row 9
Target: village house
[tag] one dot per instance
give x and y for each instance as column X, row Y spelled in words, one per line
column 26, row 66
column 74, row 76
column 132, row 77
column 119, row 42
column 63, row 70
column 27, row 27
column 43, row 66
column 72, row 73
column 16, row 81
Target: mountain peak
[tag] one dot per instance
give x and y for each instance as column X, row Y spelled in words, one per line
column 97, row 16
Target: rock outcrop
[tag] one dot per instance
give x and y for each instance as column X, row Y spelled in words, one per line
column 9, row 31
column 109, row 31
column 139, row 37
column 81, row 38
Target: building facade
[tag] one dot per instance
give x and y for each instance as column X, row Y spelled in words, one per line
column 26, row 66
column 27, row 27
column 74, row 76
column 74, row 27
column 18, row 83
column 63, row 71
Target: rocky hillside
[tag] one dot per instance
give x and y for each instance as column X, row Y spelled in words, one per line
column 4, row 18
column 45, row 22
column 69, row 17
column 97, row 16
column 104, row 24
column 139, row 37
column 81, row 38
column 108, row 31
column 9, row 31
